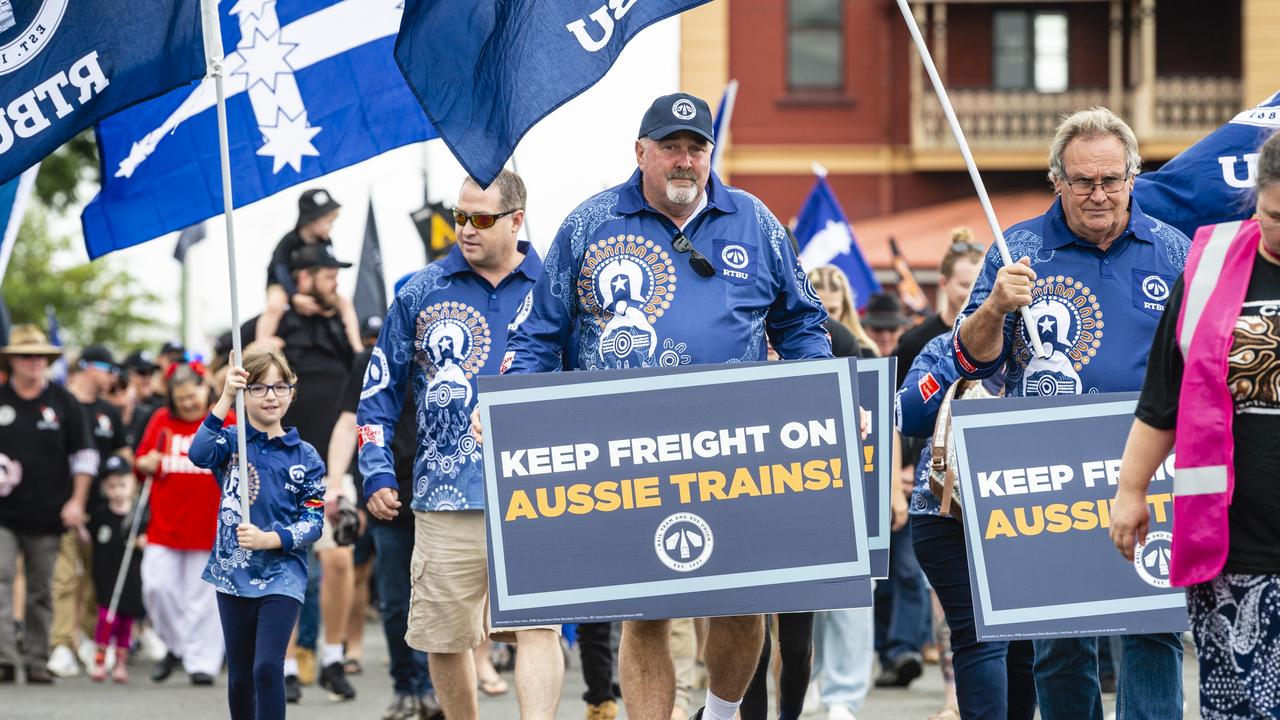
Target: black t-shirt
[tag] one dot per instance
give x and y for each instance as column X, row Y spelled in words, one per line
column 1253, row 374
column 403, row 446
column 141, row 416
column 109, row 437
column 42, row 434
column 319, row 353
column 914, row 340
column 278, row 269
column 109, row 533
column 843, row 342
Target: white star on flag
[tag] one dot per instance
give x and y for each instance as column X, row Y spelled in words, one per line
column 288, row 142
column 833, row 240
column 265, row 59
column 252, row 8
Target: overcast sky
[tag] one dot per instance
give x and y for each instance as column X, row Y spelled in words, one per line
column 580, row 149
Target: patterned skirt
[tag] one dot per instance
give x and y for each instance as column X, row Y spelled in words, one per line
column 1236, row 623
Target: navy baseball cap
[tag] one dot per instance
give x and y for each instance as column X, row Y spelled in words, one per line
column 670, row 114
column 115, row 465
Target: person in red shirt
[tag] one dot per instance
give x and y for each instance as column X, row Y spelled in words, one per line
column 184, row 510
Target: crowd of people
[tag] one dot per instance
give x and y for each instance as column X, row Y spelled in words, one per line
column 124, row 496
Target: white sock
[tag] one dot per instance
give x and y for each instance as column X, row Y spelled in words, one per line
column 330, row 654
column 717, row 709
column 290, row 667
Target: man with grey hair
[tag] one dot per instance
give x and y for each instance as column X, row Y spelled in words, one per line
column 1093, row 260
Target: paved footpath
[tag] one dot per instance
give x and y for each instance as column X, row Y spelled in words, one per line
column 79, row 699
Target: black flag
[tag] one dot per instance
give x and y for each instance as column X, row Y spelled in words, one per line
column 371, row 290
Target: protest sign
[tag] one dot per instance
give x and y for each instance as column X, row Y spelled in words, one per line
column 644, row 494
column 1037, row 478
column 875, row 393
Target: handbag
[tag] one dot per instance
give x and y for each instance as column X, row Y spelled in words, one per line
column 942, row 463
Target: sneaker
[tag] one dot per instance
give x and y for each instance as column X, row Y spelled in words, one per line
column 403, row 707
column 120, row 673
column 86, row 652
column 8, row 674
column 201, row 679
column 292, row 690
column 839, row 712
column 62, row 662
column 152, row 646
column 901, row 671
column 306, row 658
column 334, row 680
column 38, row 675
column 430, row 707
column 607, row 710
column 165, row 667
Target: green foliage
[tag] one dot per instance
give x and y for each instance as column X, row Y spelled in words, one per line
column 63, row 171
column 95, row 302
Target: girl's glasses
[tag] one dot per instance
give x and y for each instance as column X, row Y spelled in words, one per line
column 259, row 390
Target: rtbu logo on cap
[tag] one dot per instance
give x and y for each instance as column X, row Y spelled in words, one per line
column 676, row 112
column 684, row 109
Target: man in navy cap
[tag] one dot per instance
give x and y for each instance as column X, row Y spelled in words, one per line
column 623, row 250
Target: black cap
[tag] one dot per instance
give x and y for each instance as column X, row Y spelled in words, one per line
column 673, row 113
column 315, row 204
column 115, row 465
column 96, row 354
column 371, row 326
column 884, row 312
column 173, row 347
column 223, row 346
column 315, row 256
column 140, row 361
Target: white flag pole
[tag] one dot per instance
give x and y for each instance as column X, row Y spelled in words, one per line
column 213, row 52
column 968, row 161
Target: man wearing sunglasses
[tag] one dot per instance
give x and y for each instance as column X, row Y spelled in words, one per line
column 447, row 326
column 672, row 267
column 1095, row 271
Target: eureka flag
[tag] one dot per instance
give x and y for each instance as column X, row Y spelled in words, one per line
column 311, row 88
column 826, row 238
column 486, row 71
column 65, row 65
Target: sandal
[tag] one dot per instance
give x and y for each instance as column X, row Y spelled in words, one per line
column 352, row 666
column 494, row 687
column 949, row 712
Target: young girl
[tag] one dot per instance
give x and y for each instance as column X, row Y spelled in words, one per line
column 109, row 527
column 259, row 564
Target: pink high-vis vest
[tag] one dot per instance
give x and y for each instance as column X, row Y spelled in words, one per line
column 1215, row 282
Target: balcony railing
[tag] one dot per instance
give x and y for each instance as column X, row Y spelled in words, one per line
column 1185, row 108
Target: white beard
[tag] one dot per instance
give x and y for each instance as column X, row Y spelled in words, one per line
column 681, row 195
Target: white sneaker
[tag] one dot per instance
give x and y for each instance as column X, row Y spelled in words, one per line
column 86, row 651
column 812, row 701
column 152, row 646
column 62, row 662
column 840, row 712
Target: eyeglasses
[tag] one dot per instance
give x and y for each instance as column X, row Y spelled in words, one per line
column 699, row 262
column 1110, row 185
column 259, row 390
column 959, row 248
column 480, row 221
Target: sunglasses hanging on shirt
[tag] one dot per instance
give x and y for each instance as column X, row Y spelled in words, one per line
column 699, row 262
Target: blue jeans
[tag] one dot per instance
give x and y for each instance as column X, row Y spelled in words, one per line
column 994, row 680
column 393, row 548
column 256, row 631
column 1149, row 678
column 901, row 603
column 842, row 656
column 309, row 618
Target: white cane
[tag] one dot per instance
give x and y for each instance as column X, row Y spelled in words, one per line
column 969, row 163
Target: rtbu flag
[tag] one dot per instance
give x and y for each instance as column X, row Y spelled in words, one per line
column 1212, row 181
column 826, row 238
column 486, row 70
column 311, row 87
column 64, row 65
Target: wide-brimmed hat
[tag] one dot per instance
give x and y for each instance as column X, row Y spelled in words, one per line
column 28, row 339
column 884, row 312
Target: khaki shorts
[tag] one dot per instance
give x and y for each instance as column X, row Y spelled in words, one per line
column 449, row 592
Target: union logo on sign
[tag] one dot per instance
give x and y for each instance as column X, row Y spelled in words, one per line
column 683, row 542
column 1151, row 558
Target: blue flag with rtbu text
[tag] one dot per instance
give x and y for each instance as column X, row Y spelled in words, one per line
column 311, row 88
column 65, row 65
column 485, row 71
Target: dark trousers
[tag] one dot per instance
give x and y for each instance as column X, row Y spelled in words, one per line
column 902, row 614
column 994, row 680
column 256, row 632
column 309, row 619
column 595, row 645
column 795, row 647
column 393, row 548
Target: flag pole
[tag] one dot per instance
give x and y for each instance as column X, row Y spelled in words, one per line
column 978, row 185
column 213, row 50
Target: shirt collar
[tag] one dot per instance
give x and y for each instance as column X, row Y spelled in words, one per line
column 531, row 266
column 290, row 437
column 1058, row 235
column 631, row 196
